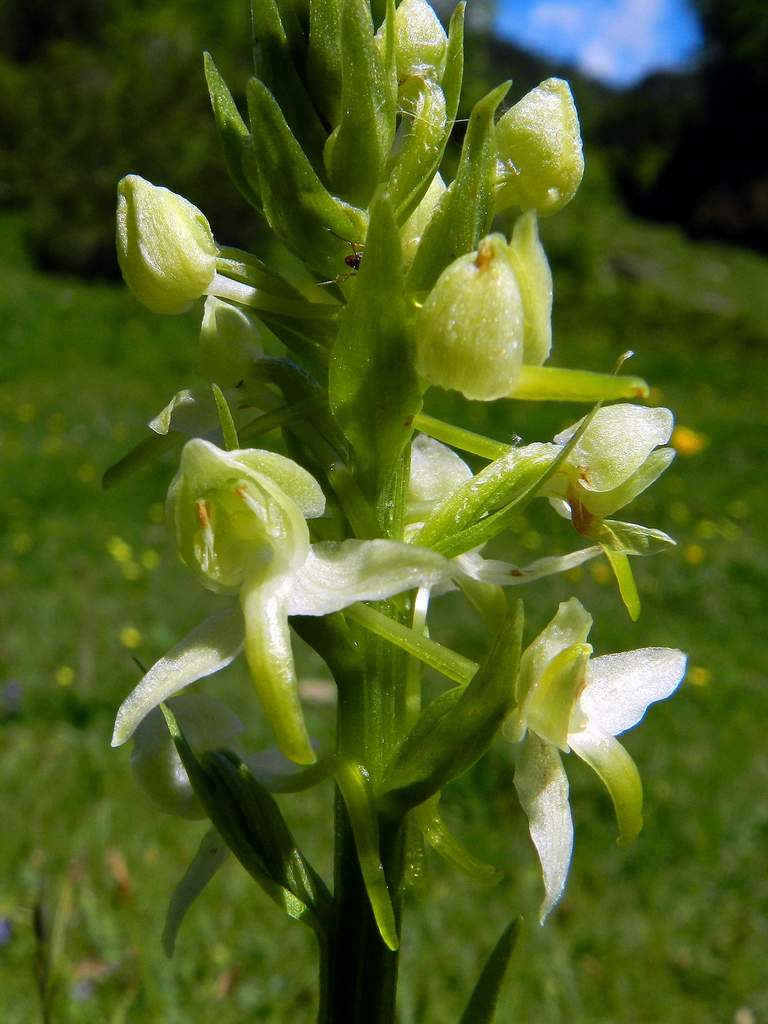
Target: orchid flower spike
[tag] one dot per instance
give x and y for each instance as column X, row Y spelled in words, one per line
column 240, row 520
column 568, row 701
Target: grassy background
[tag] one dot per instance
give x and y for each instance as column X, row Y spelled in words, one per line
column 674, row 929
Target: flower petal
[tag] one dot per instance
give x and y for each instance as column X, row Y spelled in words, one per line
column 270, row 660
column 436, row 471
column 337, row 574
column 504, row 574
column 605, row 503
column 571, row 625
column 620, row 687
column 617, row 442
column 542, row 787
column 207, row 649
column 619, row 773
column 155, row 762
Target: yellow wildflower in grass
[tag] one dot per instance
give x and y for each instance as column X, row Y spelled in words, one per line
column 699, row 676
column 687, row 441
column 120, row 549
column 64, row 675
column 131, row 571
column 737, row 509
column 130, row 637
column 600, row 572
column 25, row 412
column 150, row 559
column 693, row 554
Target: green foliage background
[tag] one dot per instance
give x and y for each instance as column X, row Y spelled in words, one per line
column 674, row 929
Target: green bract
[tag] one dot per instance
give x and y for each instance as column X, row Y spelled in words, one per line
column 420, row 41
column 540, row 159
column 567, row 700
column 165, row 247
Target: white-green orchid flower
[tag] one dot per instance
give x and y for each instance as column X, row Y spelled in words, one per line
column 240, row 520
column 618, row 456
column 437, row 472
column 569, row 701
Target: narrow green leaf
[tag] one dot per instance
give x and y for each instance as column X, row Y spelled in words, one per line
column 228, row 428
column 251, row 824
column 356, row 152
column 143, row 454
column 454, row 63
column 465, row 212
column 210, row 856
column 622, row 570
column 447, row 741
column 418, row 150
column 443, row 842
column 481, row 1008
column 308, row 219
column 373, row 345
column 233, row 132
column 277, row 55
column 355, row 786
column 324, row 59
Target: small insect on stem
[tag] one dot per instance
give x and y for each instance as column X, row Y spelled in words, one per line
column 352, row 260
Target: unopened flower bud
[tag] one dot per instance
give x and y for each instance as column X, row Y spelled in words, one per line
column 539, row 145
column 420, row 41
column 165, row 247
column 415, row 226
column 469, row 332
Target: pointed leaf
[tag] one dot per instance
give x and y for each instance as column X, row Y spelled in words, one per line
column 442, row 746
column 274, row 53
column 355, row 786
column 481, row 1008
column 373, row 345
column 211, row 855
column 619, row 773
column 207, row 649
column 324, row 57
column 632, row 539
column 233, row 132
column 356, row 152
column 622, row 570
column 542, row 787
column 297, row 205
column 465, row 212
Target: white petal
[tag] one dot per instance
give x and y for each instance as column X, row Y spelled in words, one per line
column 504, row 574
column 571, row 625
column 621, row 686
column 207, row 724
column 436, row 471
column 542, row 786
column 207, row 649
column 617, row 442
column 337, row 574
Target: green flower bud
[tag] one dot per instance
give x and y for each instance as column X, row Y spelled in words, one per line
column 414, row 227
column 539, row 144
column 469, row 332
column 240, row 514
column 420, row 41
column 165, row 247
column 231, row 342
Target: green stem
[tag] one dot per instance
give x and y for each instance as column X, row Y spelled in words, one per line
column 457, row 437
column 449, row 663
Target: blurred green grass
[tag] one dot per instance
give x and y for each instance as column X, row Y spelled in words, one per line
column 674, row 929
